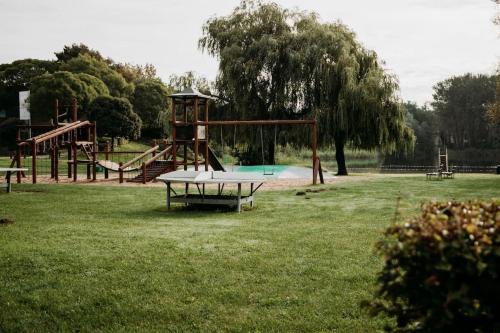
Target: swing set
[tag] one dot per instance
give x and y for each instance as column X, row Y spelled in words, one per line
column 190, row 130
column 317, row 171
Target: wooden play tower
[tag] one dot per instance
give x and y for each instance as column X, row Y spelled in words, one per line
column 190, row 130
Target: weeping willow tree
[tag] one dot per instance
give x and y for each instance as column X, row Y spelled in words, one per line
column 276, row 63
column 258, row 64
column 356, row 100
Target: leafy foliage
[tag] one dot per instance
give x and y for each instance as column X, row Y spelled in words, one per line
column 442, row 269
column 133, row 73
column 86, row 64
column 17, row 76
column 460, row 103
column 75, row 50
column 493, row 108
column 115, row 118
column 190, row 80
column 281, row 64
column 151, row 102
column 63, row 86
column 423, row 122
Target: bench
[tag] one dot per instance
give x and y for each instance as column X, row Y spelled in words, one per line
column 8, row 172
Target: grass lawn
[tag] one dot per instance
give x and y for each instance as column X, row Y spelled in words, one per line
column 94, row 258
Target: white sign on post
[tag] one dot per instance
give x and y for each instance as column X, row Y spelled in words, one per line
column 24, row 105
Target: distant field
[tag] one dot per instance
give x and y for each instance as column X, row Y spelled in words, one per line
column 112, row 259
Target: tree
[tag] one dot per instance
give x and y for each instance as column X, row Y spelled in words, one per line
column 282, row 64
column 461, row 103
column 151, row 102
column 63, row 86
column 134, row 73
column 356, row 99
column 190, row 79
column 115, row 118
column 86, row 64
column 17, row 76
column 423, row 122
column 493, row 108
column 75, row 50
column 258, row 62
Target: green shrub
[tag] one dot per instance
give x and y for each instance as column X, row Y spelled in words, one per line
column 442, row 270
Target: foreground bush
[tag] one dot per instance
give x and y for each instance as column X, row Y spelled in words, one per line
column 442, row 268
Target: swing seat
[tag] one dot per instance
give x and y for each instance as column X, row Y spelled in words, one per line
column 268, row 173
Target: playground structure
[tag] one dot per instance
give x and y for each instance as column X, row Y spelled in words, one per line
column 443, row 170
column 73, row 136
column 79, row 138
column 188, row 146
column 189, row 132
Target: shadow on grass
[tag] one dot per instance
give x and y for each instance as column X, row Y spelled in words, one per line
column 194, row 212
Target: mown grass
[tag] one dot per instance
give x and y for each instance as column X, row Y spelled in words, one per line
column 355, row 158
column 93, row 258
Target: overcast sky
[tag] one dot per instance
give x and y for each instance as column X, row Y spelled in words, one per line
column 421, row 41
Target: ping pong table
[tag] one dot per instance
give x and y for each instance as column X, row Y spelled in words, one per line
column 220, row 178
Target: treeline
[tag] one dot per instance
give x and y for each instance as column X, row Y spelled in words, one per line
column 274, row 63
column 127, row 100
column 463, row 117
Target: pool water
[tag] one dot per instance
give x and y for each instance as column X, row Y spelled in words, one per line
column 261, row 169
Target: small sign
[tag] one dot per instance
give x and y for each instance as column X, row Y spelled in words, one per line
column 24, row 105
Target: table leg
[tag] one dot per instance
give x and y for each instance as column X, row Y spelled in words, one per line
column 168, row 196
column 251, row 194
column 8, row 181
column 239, row 198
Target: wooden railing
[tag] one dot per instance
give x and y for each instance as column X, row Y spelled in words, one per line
column 145, row 165
column 123, row 166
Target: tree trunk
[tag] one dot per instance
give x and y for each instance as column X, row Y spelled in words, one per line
column 339, row 156
column 112, row 143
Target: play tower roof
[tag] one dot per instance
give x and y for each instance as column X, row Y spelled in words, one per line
column 190, row 93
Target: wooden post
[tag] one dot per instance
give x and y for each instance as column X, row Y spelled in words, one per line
column 94, row 151
column 144, row 173
column 195, row 127
column 174, row 138
column 18, row 164
column 33, row 161
column 52, row 167
column 206, row 135
column 120, row 171
column 75, row 156
column 184, row 152
column 106, row 154
column 70, row 171
column 56, row 161
column 314, row 146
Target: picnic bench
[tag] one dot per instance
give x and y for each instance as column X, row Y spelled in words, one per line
column 219, row 178
column 8, row 173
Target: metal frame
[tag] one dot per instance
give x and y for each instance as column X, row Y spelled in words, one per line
column 211, row 199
